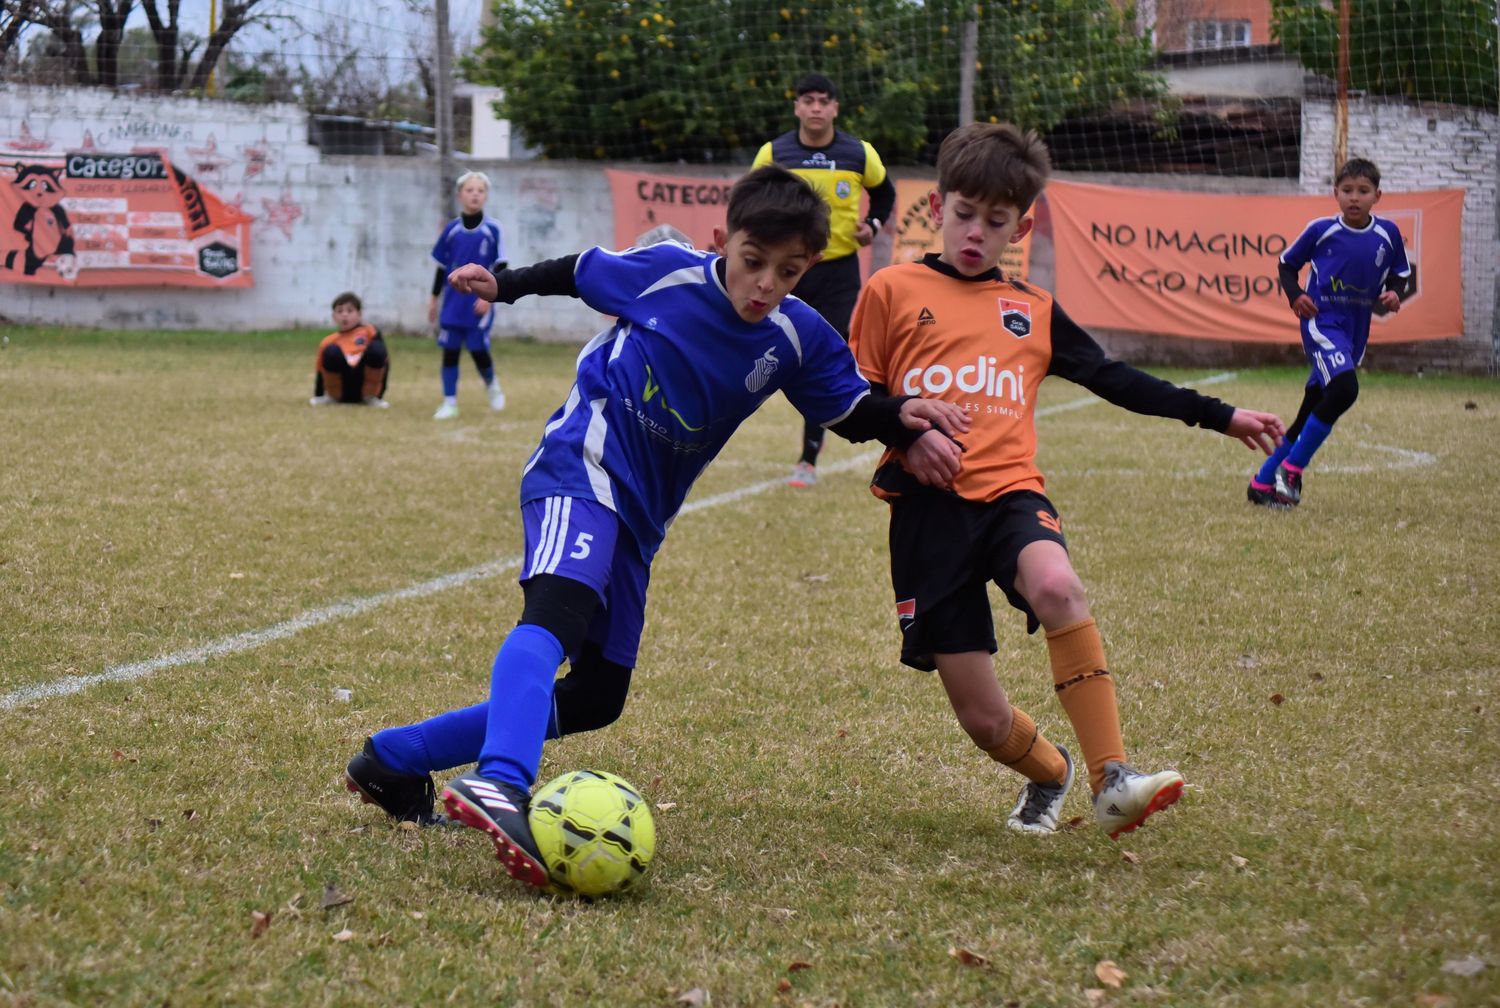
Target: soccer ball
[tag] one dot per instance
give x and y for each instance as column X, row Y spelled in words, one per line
column 594, row 831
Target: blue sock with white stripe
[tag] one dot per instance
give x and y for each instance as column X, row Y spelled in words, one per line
column 520, row 709
column 1267, row 472
column 1314, row 433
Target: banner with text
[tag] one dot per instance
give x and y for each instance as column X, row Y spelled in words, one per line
column 694, row 206
column 92, row 219
column 916, row 235
column 1204, row 265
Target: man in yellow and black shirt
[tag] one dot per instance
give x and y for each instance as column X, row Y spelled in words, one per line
column 840, row 167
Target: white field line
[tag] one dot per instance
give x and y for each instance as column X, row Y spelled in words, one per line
column 251, row 639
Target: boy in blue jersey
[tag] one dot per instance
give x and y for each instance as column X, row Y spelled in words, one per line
column 465, row 320
column 1358, row 262
column 700, row 342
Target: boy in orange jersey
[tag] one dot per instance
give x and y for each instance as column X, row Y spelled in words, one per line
column 951, row 327
column 353, row 364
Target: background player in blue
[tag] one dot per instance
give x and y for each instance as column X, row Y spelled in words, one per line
column 1358, row 261
column 701, row 342
column 465, row 320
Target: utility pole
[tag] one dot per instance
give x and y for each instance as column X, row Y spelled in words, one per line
column 968, row 62
column 442, row 97
column 1341, row 110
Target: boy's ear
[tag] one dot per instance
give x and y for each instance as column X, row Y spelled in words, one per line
column 935, row 207
column 721, row 238
column 1022, row 229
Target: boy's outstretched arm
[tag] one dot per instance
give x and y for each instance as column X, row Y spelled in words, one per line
column 1256, row 429
column 553, row 276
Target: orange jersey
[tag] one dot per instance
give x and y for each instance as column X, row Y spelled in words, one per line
column 984, row 345
column 353, row 343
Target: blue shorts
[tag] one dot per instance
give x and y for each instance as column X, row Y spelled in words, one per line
column 471, row 338
column 584, row 541
column 1330, row 348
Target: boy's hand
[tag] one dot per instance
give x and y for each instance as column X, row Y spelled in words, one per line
column 473, row 278
column 1258, row 430
column 934, row 459
column 1390, row 301
column 1304, row 307
column 925, row 414
column 482, row 308
column 432, row 310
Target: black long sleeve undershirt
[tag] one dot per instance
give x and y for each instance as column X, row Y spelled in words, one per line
column 882, row 202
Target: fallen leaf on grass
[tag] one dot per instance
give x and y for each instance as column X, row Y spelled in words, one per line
column 783, row 985
column 1238, row 861
column 1109, row 974
column 344, row 935
column 1072, row 824
column 1247, row 661
column 1277, row 699
column 417, row 915
column 1467, row 966
column 1316, row 677
column 259, row 921
column 120, row 754
column 1470, row 404
column 799, row 966
column 408, row 826
column 655, row 783
column 815, row 578
column 665, row 806
column 968, row 958
column 1435, row 1001
column 236, row 575
column 1095, row 995
column 333, row 898
column 189, row 814
column 1130, row 857
column 695, row 998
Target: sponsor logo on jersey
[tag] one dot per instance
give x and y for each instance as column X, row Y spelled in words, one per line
column 982, row 377
column 925, row 317
column 653, row 390
column 818, row 160
column 1015, row 317
column 762, row 371
column 843, row 189
column 906, row 610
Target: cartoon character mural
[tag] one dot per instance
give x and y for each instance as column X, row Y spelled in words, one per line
column 42, row 223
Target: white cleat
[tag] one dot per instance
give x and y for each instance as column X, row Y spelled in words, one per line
column 320, row 400
column 376, row 402
column 497, row 398
column 1039, row 809
column 1129, row 796
column 447, row 411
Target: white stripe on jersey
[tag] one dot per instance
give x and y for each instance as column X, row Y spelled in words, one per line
column 686, row 275
column 790, row 330
column 593, row 454
column 1317, row 335
column 573, row 399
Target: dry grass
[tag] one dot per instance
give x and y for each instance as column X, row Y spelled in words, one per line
column 161, row 492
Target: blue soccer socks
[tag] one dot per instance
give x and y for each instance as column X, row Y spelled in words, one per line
column 520, row 709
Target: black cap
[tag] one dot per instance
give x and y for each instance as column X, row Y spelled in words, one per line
column 816, row 82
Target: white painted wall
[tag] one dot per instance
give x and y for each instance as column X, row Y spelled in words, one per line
column 325, row 224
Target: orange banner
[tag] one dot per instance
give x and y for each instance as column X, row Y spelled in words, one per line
column 92, row 219
column 916, row 235
column 694, row 206
column 1204, row 265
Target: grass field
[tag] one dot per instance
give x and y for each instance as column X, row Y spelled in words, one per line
column 192, row 560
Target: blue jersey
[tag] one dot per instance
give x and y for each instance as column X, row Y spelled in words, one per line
column 1348, row 272
column 458, row 246
column 660, row 392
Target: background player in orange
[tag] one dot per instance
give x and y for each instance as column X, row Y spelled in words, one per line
column 951, row 327
column 353, row 364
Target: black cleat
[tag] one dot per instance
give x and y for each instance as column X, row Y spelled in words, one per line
column 408, row 797
column 1288, row 486
column 1264, row 498
column 499, row 809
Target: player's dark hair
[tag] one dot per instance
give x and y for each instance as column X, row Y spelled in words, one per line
column 994, row 162
column 808, row 83
column 1358, row 168
column 771, row 205
column 349, row 297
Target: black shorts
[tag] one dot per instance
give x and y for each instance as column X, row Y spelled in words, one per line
column 944, row 552
column 832, row 288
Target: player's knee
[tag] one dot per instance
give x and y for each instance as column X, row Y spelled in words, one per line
column 592, row 694
column 561, row 606
column 450, row 357
column 1338, row 396
column 333, row 358
column 1055, row 594
column 482, row 360
column 988, row 724
column 376, row 355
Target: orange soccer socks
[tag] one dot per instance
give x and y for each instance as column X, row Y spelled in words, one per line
column 1087, row 694
column 1027, row 753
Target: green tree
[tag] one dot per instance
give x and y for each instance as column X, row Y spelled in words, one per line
column 1423, row 50
column 671, row 80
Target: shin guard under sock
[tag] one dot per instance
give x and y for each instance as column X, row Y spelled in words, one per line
column 1027, row 753
column 1087, row 694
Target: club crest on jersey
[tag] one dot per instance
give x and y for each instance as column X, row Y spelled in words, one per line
column 906, row 610
column 761, row 373
column 1015, row 317
column 843, row 189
